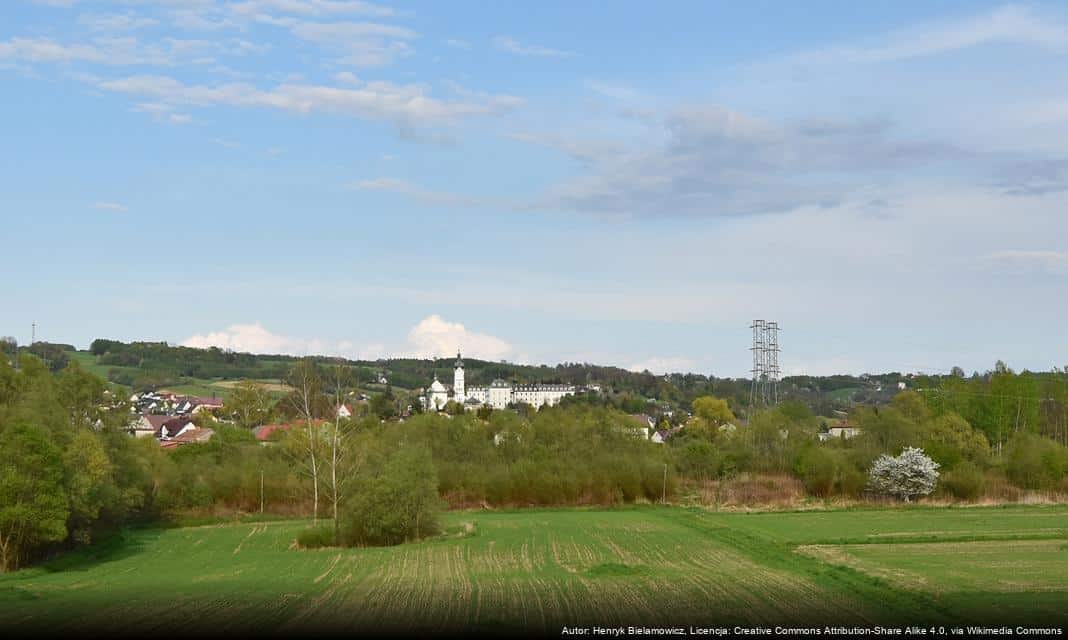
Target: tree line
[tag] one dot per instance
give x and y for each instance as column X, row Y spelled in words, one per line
column 70, row 472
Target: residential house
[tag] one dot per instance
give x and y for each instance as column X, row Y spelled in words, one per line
column 190, row 436
column 174, row 427
column 147, row 425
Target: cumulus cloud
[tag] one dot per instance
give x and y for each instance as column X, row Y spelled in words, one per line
column 512, row 45
column 254, row 338
column 436, row 337
column 664, row 365
column 432, row 337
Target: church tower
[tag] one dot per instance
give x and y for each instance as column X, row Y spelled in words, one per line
column 458, row 392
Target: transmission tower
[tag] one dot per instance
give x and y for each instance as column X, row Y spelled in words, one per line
column 765, row 389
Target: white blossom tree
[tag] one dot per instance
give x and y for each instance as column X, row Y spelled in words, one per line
column 913, row 473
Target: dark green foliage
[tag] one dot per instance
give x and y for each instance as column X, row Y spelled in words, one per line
column 397, row 504
column 33, row 502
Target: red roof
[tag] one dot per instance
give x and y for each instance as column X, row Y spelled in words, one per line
column 263, row 432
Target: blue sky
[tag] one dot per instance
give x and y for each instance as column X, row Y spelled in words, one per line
column 547, row 182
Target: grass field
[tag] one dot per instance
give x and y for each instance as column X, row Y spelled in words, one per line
column 540, row 570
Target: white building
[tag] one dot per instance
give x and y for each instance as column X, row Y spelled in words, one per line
column 499, row 394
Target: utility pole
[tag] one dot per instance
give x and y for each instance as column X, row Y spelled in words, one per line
column 261, row 490
column 663, row 496
column 33, row 333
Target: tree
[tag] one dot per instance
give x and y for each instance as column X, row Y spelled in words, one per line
column 307, row 390
column 33, row 504
column 89, row 483
column 714, row 411
column 910, row 474
column 249, row 403
column 398, row 504
column 343, row 462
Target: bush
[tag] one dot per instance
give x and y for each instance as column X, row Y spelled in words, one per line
column 966, row 481
column 316, row 537
column 818, row 470
column 1035, row 462
column 398, row 504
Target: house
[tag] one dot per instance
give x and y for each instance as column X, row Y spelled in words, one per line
column 174, row 427
column 147, row 425
column 843, row 429
column 200, row 404
column 646, row 425
column 345, row 411
column 190, row 436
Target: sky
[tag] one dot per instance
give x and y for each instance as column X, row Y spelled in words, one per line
column 627, row 184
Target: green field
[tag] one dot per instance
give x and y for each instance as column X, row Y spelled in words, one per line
column 540, row 570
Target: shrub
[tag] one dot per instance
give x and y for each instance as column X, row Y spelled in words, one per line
column 851, row 481
column 1035, row 462
column 398, row 504
column 316, row 537
column 818, row 470
column 966, row 481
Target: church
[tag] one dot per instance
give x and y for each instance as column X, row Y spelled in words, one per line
column 499, row 394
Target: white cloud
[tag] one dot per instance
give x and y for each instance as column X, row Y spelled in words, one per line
column 1009, row 25
column 312, row 8
column 435, row 337
column 346, row 77
column 408, row 107
column 109, row 206
column 106, row 50
column 116, row 21
column 511, row 45
column 664, row 365
column 458, row 44
column 254, row 338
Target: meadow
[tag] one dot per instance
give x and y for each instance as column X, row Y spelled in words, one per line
column 539, row 570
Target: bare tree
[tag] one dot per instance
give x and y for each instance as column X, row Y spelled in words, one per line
column 343, row 462
column 307, row 387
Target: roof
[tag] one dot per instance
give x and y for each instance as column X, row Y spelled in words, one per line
column 263, row 432
column 210, row 402
column 173, row 425
column 459, row 360
column 500, row 384
column 156, row 421
column 195, row 435
column 645, row 420
column 436, row 386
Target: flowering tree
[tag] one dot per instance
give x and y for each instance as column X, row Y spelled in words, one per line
column 910, row 474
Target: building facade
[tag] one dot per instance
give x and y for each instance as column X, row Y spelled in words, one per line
column 499, row 394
